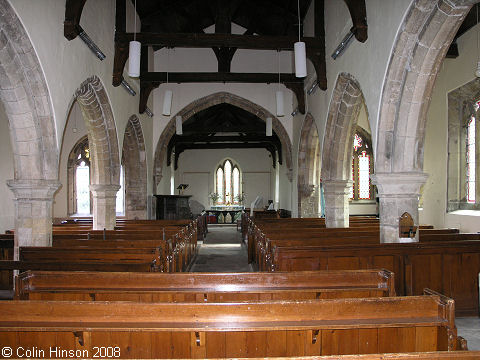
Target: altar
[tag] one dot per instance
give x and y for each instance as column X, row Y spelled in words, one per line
column 224, row 214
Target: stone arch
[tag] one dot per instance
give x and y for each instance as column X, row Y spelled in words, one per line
column 102, row 134
column 420, row 47
column 309, row 169
column 206, row 102
column 418, row 53
column 340, row 129
column 135, row 169
column 347, row 100
column 24, row 92
column 102, row 137
column 27, row 103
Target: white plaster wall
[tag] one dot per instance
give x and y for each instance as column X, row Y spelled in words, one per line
column 7, row 210
column 66, row 64
column 453, row 74
column 252, row 162
column 366, row 62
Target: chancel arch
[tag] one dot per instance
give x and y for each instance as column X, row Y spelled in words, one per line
column 309, row 164
column 346, row 103
column 419, row 50
column 97, row 113
column 206, row 102
column 135, row 170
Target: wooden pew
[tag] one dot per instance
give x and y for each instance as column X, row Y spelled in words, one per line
column 6, row 253
column 431, row 355
column 203, row 287
column 450, row 268
column 75, row 266
column 91, row 255
column 219, row 330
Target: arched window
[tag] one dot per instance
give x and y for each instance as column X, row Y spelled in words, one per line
column 471, row 160
column 228, row 183
column 79, row 178
column 362, row 167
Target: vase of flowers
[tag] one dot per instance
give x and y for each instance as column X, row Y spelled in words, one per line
column 240, row 198
column 213, row 197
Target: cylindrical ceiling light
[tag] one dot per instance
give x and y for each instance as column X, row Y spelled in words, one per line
column 178, row 125
column 134, row 51
column 280, row 102
column 167, row 102
column 300, row 51
column 279, row 93
column 300, row 59
column 268, row 126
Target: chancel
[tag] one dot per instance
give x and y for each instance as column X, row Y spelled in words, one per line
column 240, row 179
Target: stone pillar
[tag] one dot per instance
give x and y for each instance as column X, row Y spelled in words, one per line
column 336, row 194
column 104, row 201
column 398, row 193
column 33, row 212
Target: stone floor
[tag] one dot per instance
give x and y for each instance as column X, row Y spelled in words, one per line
column 469, row 328
column 222, row 251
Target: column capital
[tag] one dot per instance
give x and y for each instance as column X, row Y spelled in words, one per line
column 104, row 190
column 33, row 189
column 399, row 184
column 339, row 187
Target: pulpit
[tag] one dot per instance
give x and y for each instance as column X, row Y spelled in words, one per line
column 173, row 207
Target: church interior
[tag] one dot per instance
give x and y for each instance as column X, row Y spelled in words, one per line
column 240, row 179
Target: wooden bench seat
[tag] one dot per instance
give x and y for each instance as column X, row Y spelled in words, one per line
column 203, row 287
column 431, row 355
column 286, row 328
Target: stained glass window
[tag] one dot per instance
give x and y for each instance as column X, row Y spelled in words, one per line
column 228, row 185
column 228, row 181
column 364, row 176
column 357, row 142
column 236, row 183
column 361, row 169
column 352, row 177
column 471, row 161
column 220, row 186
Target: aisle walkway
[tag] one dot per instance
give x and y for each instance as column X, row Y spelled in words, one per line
column 222, row 251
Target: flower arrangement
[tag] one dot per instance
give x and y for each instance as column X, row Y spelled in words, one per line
column 214, row 197
column 240, row 198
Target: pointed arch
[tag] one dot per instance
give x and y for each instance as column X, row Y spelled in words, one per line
column 420, row 47
column 135, row 168
column 347, row 100
column 206, row 102
column 309, row 169
column 24, row 93
column 102, row 133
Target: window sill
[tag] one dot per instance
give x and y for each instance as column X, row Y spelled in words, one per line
column 465, row 212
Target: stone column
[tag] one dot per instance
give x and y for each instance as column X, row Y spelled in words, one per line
column 398, row 193
column 104, row 202
column 336, row 194
column 33, row 212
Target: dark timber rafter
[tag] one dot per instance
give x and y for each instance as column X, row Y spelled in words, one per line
column 358, row 12
column 152, row 80
column 224, row 44
column 179, row 148
column 73, row 13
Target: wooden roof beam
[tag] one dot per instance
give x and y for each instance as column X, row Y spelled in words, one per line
column 358, row 12
column 73, row 13
column 151, row 80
